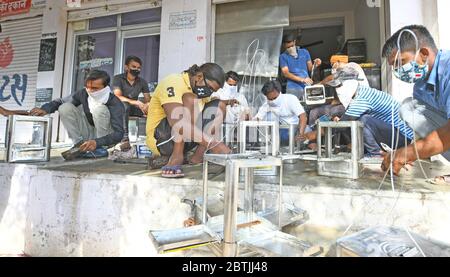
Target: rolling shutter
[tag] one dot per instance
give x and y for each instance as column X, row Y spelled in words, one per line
column 19, row 57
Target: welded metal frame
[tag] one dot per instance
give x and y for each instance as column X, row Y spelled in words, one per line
column 332, row 165
column 233, row 164
column 271, row 130
column 293, row 147
column 10, row 132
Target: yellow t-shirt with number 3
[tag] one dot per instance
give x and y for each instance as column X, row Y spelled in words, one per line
column 169, row 90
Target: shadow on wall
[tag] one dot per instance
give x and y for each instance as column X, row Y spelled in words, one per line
column 5, row 189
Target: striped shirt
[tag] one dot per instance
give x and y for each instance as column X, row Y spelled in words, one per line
column 379, row 105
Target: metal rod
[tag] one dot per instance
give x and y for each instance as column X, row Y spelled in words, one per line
column 292, row 139
column 267, row 141
column 242, row 133
column 319, row 141
column 280, row 197
column 275, row 138
column 329, row 145
column 248, row 191
column 230, row 213
column 205, row 193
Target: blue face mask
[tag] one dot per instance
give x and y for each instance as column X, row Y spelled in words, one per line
column 412, row 72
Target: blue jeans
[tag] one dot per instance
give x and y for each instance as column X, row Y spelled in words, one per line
column 377, row 132
column 299, row 93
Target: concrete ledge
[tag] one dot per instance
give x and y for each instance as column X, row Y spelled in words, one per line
column 100, row 208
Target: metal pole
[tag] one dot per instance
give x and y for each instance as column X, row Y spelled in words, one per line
column 230, row 213
column 205, row 193
column 280, row 198
column 291, row 139
column 248, row 191
column 267, row 141
column 275, row 138
column 329, row 146
column 241, row 136
column 319, row 141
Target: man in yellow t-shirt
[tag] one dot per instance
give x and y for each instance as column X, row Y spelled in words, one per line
column 182, row 116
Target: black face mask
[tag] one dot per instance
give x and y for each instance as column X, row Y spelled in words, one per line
column 202, row 91
column 135, row 72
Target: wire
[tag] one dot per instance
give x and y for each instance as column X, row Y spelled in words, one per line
column 415, row 242
column 165, row 142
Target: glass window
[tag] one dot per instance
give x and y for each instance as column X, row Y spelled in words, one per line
column 139, row 17
column 146, row 48
column 103, row 22
column 93, row 51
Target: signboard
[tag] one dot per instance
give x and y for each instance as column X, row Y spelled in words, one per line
column 183, row 20
column 95, row 63
column 13, row 7
column 43, row 96
column 47, row 55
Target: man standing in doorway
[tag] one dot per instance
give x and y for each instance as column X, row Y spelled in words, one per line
column 127, row 87
column 296, row 66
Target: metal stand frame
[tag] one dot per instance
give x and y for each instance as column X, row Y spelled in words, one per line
column 271, row 136
column 342, row 166
column 233, row 165
column 12, row 122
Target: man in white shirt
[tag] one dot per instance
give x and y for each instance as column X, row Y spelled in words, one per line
column 284, row 108
column 238, row 105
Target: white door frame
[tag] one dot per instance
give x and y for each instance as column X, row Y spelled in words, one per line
column 153, row 31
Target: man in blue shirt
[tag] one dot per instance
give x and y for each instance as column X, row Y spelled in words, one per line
column 296, row 66
column 416, row 59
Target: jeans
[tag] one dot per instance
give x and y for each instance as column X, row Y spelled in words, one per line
column 300, row 93
column 377, row 132
column 78, row 128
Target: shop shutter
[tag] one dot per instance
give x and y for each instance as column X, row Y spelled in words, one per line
column 19, row 57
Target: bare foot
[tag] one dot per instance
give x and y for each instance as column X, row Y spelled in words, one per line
column 221, row 149
column 196, row 159
column 312, row 146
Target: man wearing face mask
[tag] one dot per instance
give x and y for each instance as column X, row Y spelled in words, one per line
column 127, row 87
column 92, row 116
column 237, row 105
column 416, row 59
column 296, row 66
column 376, row 109
column 372, row 107
column 284, row 108
column 183, row 117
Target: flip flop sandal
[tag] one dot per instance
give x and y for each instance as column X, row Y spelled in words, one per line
column 157, row 162
column 441, row 180
column 175, row 171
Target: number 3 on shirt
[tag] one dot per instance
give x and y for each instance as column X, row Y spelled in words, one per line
column 171, row 92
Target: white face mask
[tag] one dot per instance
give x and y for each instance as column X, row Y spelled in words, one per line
column 292, row 51
column 346, row 92
column 231, row 89
column 275, row 103
column 99, row 97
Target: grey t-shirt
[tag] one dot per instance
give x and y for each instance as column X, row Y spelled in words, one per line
column 130, row 91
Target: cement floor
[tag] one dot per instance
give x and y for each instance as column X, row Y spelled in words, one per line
column 303, row 173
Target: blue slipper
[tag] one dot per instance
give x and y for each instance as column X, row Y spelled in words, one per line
column 175, row 171
column 96, row 154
